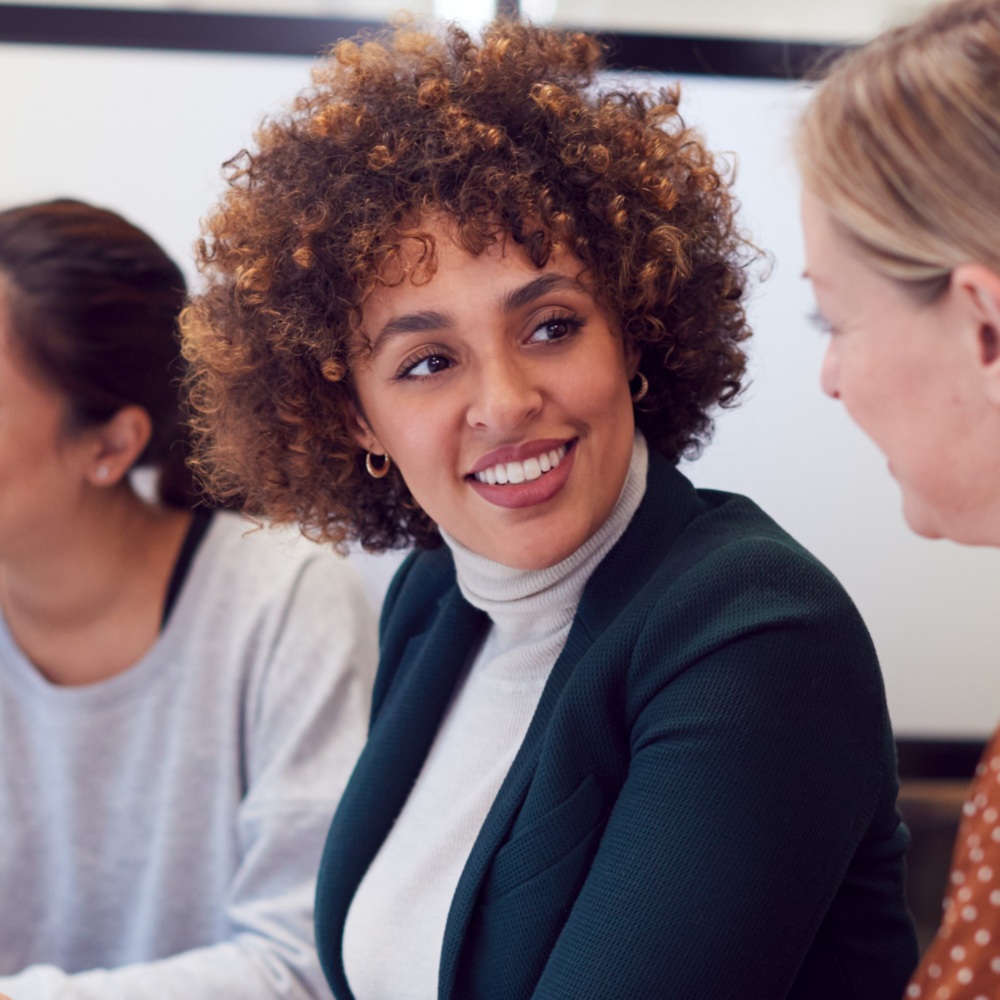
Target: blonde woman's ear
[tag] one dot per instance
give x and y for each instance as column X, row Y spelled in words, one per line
column 118, row 445
column 977, row 291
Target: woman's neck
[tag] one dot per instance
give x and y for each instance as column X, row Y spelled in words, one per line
column 85, row 602
column 525, row 603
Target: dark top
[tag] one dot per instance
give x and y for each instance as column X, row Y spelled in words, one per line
column 704, row 803
column 200, row 520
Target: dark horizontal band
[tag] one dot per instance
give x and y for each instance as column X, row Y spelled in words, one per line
column 173, row 30
column 717, row 56
column 938, row 758
column 308, row 36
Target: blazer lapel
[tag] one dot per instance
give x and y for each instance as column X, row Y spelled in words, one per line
column 504, row 810
column 668, row 504
column 399, row 741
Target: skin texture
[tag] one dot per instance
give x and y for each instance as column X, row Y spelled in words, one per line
column 919, row 378
column 458, row 380
column 43, row 471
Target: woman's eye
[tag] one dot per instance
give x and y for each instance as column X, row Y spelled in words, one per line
column 555, row 328
column 431, row 364
column 821, row 323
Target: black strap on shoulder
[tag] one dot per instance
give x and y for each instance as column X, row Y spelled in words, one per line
column 192, row 539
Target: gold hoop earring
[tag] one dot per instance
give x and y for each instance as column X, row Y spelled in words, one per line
column 640, row 393
column 380, row 471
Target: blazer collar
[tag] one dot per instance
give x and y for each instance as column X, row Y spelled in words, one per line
column 669, row 504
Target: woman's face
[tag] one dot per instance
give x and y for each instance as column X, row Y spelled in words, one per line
column 500, row 390
column 911, row 375
column 42, row 467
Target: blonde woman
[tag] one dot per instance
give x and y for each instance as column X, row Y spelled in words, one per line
column 900, row 157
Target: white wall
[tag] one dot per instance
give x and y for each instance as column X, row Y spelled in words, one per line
column 146, row 132
column 142, row 132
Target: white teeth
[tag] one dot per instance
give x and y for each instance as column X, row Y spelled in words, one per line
column 522, row 472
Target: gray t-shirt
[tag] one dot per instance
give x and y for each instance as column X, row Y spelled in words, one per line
column 160, row 831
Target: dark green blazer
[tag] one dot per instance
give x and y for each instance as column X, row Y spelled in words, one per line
column 703, row 806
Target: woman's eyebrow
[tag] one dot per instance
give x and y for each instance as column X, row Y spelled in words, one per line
column 429, row 320
column 537, row 287
column 417, row 322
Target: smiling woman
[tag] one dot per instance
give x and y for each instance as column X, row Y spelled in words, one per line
column 453, row 381
column 892, row 360
column 458, row 294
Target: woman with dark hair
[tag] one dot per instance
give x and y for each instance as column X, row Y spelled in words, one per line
column 629, row 740
column 180, row 701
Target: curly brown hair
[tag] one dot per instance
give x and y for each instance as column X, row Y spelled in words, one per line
column 508, row 138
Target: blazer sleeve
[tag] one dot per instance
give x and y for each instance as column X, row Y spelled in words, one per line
column 760, row 761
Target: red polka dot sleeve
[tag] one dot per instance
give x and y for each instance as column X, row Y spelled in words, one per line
column 963, row 961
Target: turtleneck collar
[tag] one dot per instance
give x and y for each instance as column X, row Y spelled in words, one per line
column 530, row 604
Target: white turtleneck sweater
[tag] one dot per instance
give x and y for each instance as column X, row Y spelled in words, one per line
column 396, row 922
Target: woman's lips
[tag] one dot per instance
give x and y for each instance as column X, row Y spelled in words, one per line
column 520, row 472
column 525, row 482
column 519, row 452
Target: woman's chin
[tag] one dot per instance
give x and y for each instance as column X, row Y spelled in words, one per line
column 922, row 521
column 976, row 531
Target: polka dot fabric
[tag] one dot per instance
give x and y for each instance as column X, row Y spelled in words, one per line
column 963, row 961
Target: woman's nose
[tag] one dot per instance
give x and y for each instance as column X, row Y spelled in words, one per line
column 829, row 377
column 505, row 396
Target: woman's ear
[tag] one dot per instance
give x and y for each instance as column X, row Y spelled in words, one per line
column 118, row 445
column 362, row 432
column 633, row 356
column 978, row 291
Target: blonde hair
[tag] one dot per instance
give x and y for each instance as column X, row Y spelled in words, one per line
column 901, row 142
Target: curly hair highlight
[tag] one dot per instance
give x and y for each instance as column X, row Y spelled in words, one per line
column 506, row 137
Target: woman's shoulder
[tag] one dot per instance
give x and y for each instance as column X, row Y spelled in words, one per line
column 716, row 572
column 705, row 543
column 729, row 607
column 737, row 545
column 253, row 564
column 269, row 604
column 733, row 528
